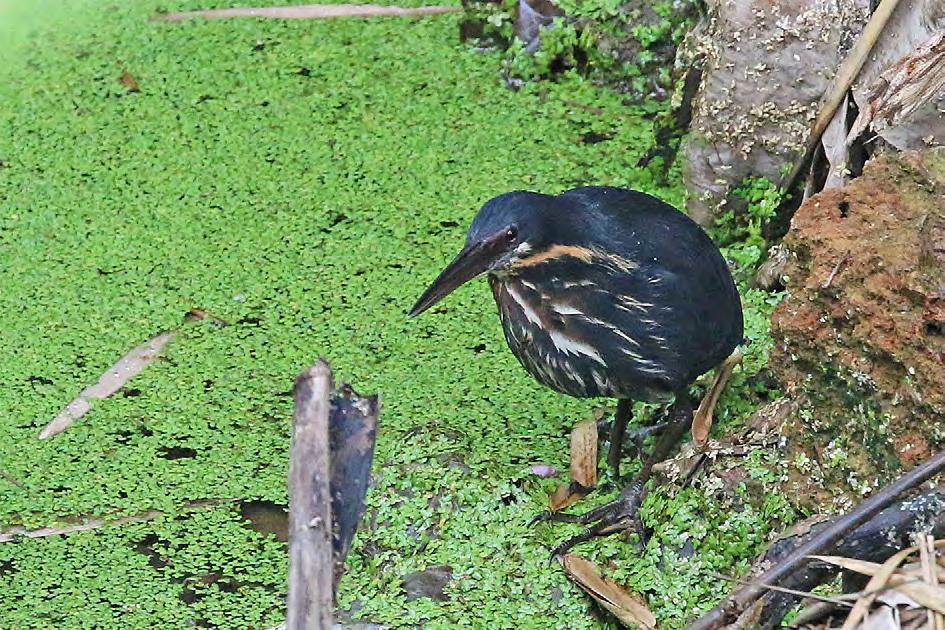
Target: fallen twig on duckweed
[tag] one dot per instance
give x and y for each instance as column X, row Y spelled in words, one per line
column 118, row 375
column 112, row 380
column 16, row 533
column 309, row 12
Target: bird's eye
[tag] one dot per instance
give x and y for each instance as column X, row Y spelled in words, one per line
column 511, row 234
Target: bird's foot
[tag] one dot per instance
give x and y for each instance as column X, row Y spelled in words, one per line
column 621, row 514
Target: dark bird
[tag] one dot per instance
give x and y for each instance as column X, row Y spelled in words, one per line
column 605, row 292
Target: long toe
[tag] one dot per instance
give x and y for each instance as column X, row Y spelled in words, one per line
column 621, row 514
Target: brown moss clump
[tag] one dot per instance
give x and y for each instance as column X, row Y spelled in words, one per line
column 860, row 338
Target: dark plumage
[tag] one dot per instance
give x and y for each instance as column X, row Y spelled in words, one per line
column 605, row 292
column 608, row 292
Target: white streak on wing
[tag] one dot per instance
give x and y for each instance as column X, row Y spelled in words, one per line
column 529, row 285
column 601, row 383
column 530, row 313
column 565, row 309
column 614, row 330
column 627, row 303
column 578, row 283
column 572, row 373
column 572, row 346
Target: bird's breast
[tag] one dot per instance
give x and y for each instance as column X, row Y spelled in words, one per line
column 565, row 343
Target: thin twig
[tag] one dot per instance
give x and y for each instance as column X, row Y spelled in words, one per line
column 16, row 533
column 309, row 12
column 825, row 539
column 311, row 566
column 112, row 380
column 846, row 74
column 833, row 273
column 836, row 601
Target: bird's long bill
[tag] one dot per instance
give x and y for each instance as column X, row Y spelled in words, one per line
column 470, row 262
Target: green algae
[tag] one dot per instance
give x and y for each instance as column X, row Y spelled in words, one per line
column 301, row 181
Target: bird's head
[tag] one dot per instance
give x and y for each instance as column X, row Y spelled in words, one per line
column 507, row 230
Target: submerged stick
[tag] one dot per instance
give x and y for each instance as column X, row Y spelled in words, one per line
column 17, row 532
column 817, row 544
column 309, row 12
column 310, row 598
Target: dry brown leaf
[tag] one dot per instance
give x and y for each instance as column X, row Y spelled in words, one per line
column 584, row 453
column 310, row 12
column 629, row 609
column 113, row 379
column 702, row 419
column 129, row 81
column 876, row 584
column 928, row 595
column 563, row 497
column 583, row 467
column 911, row 570
column 881, row 619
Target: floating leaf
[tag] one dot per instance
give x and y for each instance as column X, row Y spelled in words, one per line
column 583, row 467
column 584, row 453
column 629, row 609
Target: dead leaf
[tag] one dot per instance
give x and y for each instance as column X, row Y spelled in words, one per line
column 566, row 495
column 113, row 379
column 629, row 609
column 881, row 619
column 895, row 598
column 584, row 453
column 928, row 595
column 702, row 419
column 129, row 82
column 583, row 467
column 310, row 12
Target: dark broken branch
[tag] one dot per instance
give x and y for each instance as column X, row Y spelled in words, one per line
column 825, row 539
column 874, row 541
column 310, row 596
column 353, row 428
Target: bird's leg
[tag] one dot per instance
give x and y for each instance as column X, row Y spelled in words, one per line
column 617, row 431
column 623, row 512
column 633, row 438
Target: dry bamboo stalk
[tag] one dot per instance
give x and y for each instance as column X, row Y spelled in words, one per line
column 837, row 91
